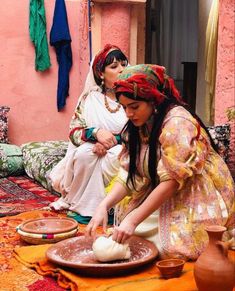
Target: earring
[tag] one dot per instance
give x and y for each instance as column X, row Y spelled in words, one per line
column 155, row 110
column 102, row 81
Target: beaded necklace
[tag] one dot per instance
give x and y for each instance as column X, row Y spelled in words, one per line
column 109, row 108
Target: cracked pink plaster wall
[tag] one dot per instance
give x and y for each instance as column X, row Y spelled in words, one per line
column 116, row 25
column 225, row 78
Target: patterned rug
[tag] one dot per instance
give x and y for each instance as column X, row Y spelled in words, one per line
column 21, row 194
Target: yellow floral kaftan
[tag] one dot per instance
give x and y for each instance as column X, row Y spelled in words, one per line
column 206, row 189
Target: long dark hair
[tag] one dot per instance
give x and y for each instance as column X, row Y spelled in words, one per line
column 133, row 142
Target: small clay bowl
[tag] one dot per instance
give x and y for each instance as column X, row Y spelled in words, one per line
column 170, row 268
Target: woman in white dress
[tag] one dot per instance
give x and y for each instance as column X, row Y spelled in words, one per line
column 91, row 161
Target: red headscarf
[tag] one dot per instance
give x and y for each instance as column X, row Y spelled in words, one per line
column 100, row 59
column 146, row 81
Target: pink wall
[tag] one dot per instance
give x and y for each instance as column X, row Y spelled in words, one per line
column 115, row 25
column 225, row 61
column 31, row 95
column 225, row 78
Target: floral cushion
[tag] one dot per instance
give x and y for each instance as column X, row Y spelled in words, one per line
column 4, row 124
column 11, row 160
column 40, row 157
column 221, row 137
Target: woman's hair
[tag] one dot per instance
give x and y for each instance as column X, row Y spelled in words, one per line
column 133, row 143
column 114, row 54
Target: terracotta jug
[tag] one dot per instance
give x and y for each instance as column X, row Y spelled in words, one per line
column 213, row 271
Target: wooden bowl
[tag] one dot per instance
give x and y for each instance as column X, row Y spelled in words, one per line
column 170, row 268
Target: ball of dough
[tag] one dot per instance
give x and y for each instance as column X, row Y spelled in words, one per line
column 105, row 249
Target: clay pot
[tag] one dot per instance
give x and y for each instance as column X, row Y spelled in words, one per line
column 212, row 270
column 170, row 268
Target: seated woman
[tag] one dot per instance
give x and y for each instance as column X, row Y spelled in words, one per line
column 91, row 160
column 170, row 166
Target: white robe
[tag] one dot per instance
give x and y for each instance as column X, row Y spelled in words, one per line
column 81, row 176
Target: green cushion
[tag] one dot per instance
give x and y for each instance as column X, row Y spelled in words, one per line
column 40, row 157
column 11, row 160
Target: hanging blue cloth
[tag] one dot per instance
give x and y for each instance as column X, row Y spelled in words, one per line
column 61, row 40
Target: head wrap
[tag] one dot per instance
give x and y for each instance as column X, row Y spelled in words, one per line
column 148, row 82
column 100, row 59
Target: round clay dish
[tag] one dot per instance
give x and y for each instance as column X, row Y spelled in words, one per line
column 170, row 268
column 50, row 225
column 76, row 253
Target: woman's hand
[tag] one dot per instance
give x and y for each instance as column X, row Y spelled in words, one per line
column 100, row 218
column 126, row 229
column 99, row 149
column 106, row 138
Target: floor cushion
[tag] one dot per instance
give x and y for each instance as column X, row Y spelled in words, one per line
column 11, row 160
column 40, row 157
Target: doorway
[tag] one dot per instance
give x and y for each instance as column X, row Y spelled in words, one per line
column 172, row 41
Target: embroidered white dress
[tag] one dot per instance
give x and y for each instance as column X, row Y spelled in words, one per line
column 81, row 177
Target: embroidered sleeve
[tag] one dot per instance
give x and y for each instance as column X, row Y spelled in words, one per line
column 88, row 135
column 184, row 148
column 79, row 132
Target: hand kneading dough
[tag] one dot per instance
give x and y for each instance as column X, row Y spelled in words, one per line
column 105, row 250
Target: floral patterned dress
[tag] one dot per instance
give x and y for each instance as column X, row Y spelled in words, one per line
column 206, row 189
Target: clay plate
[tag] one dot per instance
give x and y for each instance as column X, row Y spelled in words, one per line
column 50, row 225
column 76, row 253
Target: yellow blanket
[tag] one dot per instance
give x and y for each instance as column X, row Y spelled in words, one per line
column 149, row 279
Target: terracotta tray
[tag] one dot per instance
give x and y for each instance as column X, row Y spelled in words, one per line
column 50, row 225
column 76, row 253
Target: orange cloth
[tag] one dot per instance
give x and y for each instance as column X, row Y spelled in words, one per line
column 16, row 276
column 149, row 279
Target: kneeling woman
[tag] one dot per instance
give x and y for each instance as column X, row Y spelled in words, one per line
column 169, row 167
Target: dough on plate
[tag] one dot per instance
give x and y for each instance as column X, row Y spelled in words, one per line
column 105, row 249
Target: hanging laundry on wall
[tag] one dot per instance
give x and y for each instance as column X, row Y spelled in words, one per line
column 61, row 40
column 37, row 31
